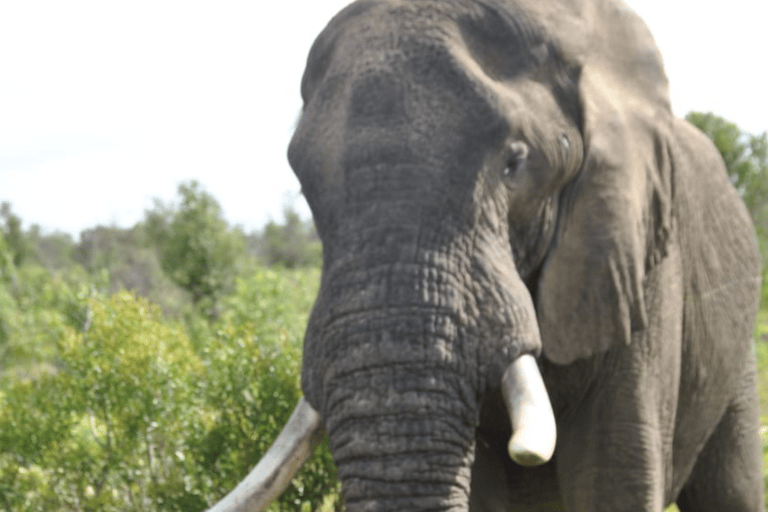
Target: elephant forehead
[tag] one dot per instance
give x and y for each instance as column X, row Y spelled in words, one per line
column 451, row 72
column 428, row 86
column 441, row 39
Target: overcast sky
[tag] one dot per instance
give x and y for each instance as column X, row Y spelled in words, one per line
column 105, row 105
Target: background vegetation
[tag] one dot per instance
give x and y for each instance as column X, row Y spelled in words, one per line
column 149, row 368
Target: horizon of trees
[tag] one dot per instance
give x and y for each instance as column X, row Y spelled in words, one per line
column 189, row 241
column 185, row 254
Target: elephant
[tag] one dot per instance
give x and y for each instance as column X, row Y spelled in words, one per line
column 539, row 286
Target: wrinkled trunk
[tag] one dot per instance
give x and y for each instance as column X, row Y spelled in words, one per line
column 395, row 384
column 408, row 444
column 401, row 411
column 396, row 367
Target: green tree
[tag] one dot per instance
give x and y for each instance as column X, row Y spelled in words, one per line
column 54, row 251
column 35, row 307
column 101, row 247
column 292, row 244
column 8, row 282
column 745, row 156
column 198, row 250
column 14, row 235
column 253, row 381
column 107, row 430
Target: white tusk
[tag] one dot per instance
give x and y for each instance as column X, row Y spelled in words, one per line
column 534, row 432
column 273, row 473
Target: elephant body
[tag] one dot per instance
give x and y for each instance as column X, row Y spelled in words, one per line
column 493, row 179
column 675, row 417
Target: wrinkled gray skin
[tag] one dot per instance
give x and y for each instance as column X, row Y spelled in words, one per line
column 492, row 178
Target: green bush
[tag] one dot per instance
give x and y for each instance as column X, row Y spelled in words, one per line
column 35, row 308
column 197, row 249
column 253, row 374
column 106, row 431
column 132, row 418
column 292, row 244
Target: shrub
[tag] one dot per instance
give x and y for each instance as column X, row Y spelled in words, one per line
column 106, row 432
column 133, row 418
column 252, row 379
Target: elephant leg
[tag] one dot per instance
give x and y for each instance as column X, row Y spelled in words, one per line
column 616, row 466
column 615, row 434
column 614, row 443
column 614, row 450
column 727, row 474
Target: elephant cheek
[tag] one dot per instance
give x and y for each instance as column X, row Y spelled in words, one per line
column 508, row 322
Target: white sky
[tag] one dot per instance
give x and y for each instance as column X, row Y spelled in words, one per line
column 107, row 104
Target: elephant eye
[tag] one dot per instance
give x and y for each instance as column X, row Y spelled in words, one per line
column 566, row 144
column 516, row 156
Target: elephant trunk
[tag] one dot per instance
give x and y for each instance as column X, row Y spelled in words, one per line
column 395, row 373
column 406, row 443
column 397, row 358
column 397, row 390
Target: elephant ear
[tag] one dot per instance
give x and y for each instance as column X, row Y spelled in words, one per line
column 615, row 216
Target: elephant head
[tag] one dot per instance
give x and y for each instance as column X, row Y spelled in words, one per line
column 490, row 183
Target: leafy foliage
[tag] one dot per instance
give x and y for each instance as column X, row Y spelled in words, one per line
column 292, row 244
column 35, row 308
column 197, row 249
column 14, row 236
column 253, row 378
column 106, row 430
column 109, row 403
column 54, row 251
column 130, row 417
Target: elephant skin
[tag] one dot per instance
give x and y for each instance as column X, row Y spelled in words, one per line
column 493, row 178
